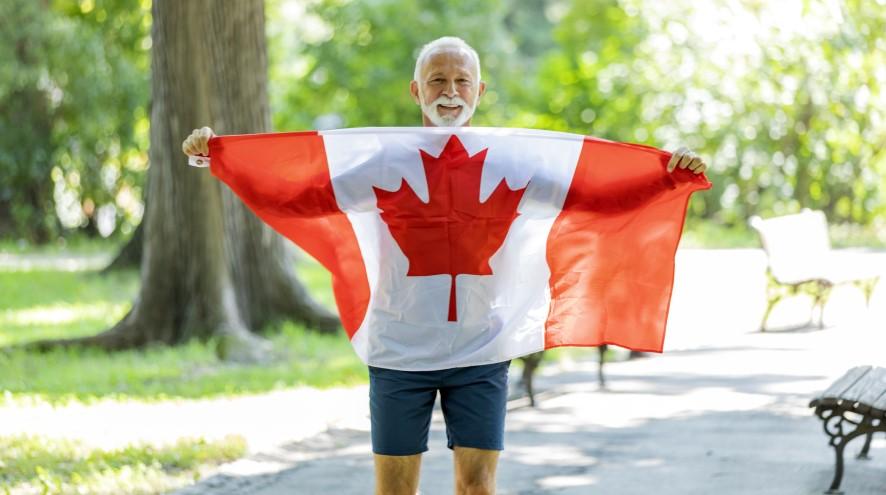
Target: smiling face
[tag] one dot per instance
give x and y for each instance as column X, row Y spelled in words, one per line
column 448, row 88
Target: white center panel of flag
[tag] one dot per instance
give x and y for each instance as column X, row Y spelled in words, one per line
column 500, row 315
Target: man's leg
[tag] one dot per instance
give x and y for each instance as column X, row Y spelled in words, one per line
column 396, row 474
column 474, row 402
column 475, row 471
column 400, row 407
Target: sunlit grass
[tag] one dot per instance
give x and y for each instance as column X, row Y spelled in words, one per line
column 317, row 279
column 76, row 244
column 31, row 464
column 45, row 304
column 188, row 371
column 41, row 304
column 706, row 234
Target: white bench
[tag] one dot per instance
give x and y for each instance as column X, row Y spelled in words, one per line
column 801, row 261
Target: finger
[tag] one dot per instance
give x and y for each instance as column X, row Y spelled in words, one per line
column 684, row 162
column 694, row 163
column 698, row 166
column 205, row 135
column 675, row 158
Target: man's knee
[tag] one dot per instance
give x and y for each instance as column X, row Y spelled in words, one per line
column 481, row 484
column 475, row 471
column 397, row 475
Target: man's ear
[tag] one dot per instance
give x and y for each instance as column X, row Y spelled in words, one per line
column 482, row 89
column 413, row 90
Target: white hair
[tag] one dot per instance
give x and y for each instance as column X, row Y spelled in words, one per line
column 444, row 44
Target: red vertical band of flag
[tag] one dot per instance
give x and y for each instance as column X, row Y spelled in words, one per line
column 284, row 178
column 611, row 250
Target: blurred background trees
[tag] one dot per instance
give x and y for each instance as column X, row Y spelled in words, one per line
column 74, row 91
column 785, row 98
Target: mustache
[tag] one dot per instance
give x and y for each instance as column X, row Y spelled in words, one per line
column 443, row 100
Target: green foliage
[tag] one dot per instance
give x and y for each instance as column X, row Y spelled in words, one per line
column 785, row 100
column 782, row 102
column 353, row 60
column 51, row 466
column 73, row 126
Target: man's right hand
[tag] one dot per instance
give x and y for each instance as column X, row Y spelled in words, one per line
column 197, row 142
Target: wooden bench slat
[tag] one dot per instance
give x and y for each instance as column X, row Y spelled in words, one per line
column 845, row 382
column 868, row 388
column 880, row 403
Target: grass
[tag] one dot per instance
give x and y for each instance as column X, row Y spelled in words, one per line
column 708, row 234
column 48, row 303
column 40, row 304
column 189, row 371
column 32, row 464
column 76, row 244
column 713, row 235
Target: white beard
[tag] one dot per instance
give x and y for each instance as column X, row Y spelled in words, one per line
column 430, row 110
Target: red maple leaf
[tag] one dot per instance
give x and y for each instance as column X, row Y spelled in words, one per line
column 454, row 232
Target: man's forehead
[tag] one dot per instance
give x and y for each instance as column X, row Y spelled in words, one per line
column 449, row 57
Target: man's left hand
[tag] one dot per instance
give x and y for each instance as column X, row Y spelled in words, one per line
column 685, row 158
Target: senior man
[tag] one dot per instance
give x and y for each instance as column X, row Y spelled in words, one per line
column 447, row 86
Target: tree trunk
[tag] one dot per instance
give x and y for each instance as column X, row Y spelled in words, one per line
column 130, row 255
column 209, row 267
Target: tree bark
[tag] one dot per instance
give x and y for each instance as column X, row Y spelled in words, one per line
column 209, row 267
column 130, row 255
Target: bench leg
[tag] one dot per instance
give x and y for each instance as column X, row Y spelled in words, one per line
column 867, row 287
column 867, row 447
column 770, row 303
column 530, row 364
column 600, row 376
column 838, row 470
column 822, row 294
column 841, row 431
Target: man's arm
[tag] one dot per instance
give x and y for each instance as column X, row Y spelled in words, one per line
column 283, row 174
column 630, row 194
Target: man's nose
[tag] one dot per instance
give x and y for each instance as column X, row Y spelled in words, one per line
column 451, row 91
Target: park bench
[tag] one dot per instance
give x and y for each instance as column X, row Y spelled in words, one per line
column 531, row 363
column 852, row 406
column 800, row 261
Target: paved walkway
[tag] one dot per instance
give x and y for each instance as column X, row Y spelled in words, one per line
column 728, row 420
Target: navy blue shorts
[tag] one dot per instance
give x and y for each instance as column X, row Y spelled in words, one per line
column 473, row 399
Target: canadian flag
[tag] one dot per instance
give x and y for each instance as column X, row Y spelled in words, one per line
column 453, row 247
